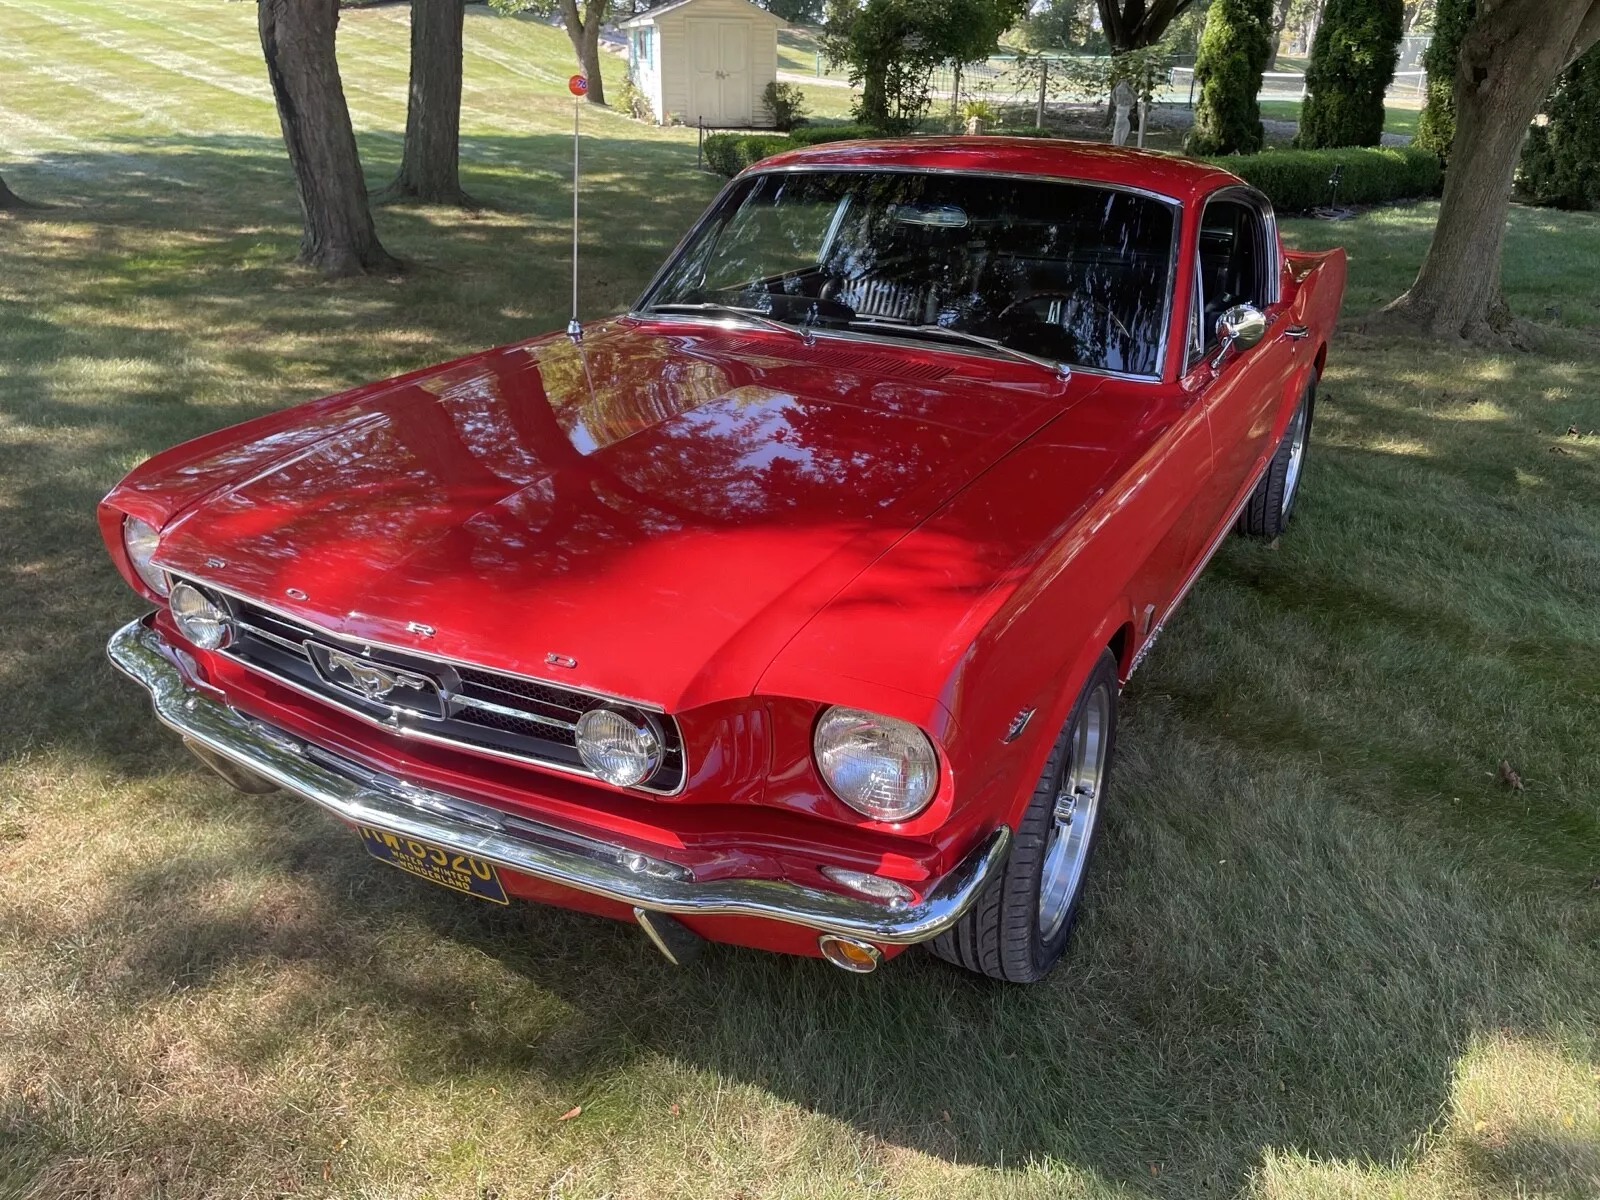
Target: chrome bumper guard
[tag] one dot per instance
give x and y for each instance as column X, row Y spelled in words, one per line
column 619, row 873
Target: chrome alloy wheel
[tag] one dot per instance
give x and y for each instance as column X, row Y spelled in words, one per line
column 1077, row 805
column 1296, row 437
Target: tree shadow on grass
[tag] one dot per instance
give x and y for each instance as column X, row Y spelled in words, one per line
column 1256, row 971
column 1274, row 956
column 158, row 301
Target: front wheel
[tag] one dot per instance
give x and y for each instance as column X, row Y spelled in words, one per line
column 1266, row 513
column 1018, row 927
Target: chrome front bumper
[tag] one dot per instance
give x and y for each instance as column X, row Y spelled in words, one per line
column 572, row 860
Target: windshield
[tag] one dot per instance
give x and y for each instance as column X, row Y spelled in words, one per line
column 1066, row 271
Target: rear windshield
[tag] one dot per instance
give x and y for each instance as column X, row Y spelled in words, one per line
column 1066, row 271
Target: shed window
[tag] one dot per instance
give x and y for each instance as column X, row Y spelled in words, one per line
column 643, row 44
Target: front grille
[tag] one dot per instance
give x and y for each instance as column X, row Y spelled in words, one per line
column 482, row 710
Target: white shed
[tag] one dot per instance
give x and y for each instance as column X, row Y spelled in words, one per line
column 705, row 60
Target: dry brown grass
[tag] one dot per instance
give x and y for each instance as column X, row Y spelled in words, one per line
column 1327, row 955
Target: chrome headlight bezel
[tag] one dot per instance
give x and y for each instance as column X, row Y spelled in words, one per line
column 139, row 542
column 623, row 747
column 200, row 618
column 882, row 767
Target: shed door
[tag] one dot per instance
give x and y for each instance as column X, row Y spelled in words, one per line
column 719, row 71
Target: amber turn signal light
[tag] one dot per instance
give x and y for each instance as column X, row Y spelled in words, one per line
column 848, row 954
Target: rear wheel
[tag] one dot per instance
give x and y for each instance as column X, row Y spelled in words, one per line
column 1266, row 513
column 1018, row 927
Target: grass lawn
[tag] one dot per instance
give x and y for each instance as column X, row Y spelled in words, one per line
column 798, row 48
column 1327, row 954
column 1398, row 116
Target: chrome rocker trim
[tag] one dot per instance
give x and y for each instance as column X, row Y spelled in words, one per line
column 602, row 869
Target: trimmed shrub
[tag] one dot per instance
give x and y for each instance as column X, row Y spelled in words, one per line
column 1233, row 52
column 1352, row 65
column 785, row 104
column 1297, row 180
column 1561, row 159
column 1436, row 127
column 729, row 153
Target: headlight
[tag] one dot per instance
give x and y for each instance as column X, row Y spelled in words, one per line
column 140, row 539
column 199, row 618
column 621, row 748
column 883, row 768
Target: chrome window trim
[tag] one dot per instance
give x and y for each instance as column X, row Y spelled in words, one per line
column 1272, row 264
column 908, row 169
column 637, row 312
column 435, row 739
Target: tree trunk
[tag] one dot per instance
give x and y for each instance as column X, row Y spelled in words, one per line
column 1280, row 22
column 1133, row 25
column 1508, row 61
column 297, row 39
column 583, row 30
column 430, row 165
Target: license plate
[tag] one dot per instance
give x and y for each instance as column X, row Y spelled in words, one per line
column 458, row 872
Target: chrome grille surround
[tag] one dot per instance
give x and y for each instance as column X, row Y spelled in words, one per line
column 485, row 711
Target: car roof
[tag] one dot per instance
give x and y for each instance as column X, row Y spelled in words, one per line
column 1181, row 179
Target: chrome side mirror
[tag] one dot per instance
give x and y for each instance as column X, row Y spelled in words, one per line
column 1241, row 327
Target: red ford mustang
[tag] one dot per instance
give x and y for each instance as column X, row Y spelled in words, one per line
column 789, row 609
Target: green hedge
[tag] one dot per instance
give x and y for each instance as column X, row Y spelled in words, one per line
column 1294, row 180
column 729, row 153
column 811, row 135
column 1297, row 180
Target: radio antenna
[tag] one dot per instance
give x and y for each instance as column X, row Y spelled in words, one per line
column 578, row 85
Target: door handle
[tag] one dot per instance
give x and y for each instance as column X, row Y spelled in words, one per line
column 1296, row 332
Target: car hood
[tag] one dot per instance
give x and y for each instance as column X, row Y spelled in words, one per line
column 661, row 507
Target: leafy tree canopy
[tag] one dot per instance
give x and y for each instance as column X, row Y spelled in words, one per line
column 796, row 12
column 893, row 46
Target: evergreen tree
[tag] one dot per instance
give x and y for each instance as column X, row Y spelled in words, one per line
column 1561, row 159
column 1233, row 53
column 1352, row 65
column 1436, row 128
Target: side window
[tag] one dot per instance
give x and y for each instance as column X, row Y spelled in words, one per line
column 1231, row 268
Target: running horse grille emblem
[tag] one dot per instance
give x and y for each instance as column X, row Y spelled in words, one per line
column 378, row 683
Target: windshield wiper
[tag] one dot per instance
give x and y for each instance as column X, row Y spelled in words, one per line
column 1054, row 365
column 754, row 316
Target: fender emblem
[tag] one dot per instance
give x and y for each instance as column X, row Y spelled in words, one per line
column 1018, row 724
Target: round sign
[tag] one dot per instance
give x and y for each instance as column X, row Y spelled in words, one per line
column 578, row 85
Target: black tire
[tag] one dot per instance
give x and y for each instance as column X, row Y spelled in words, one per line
column 1266, row 513
column 1000, row 935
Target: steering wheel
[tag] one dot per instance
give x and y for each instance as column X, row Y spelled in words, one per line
column 1080, row 297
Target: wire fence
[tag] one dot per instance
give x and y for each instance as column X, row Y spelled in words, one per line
column 1009, row 81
